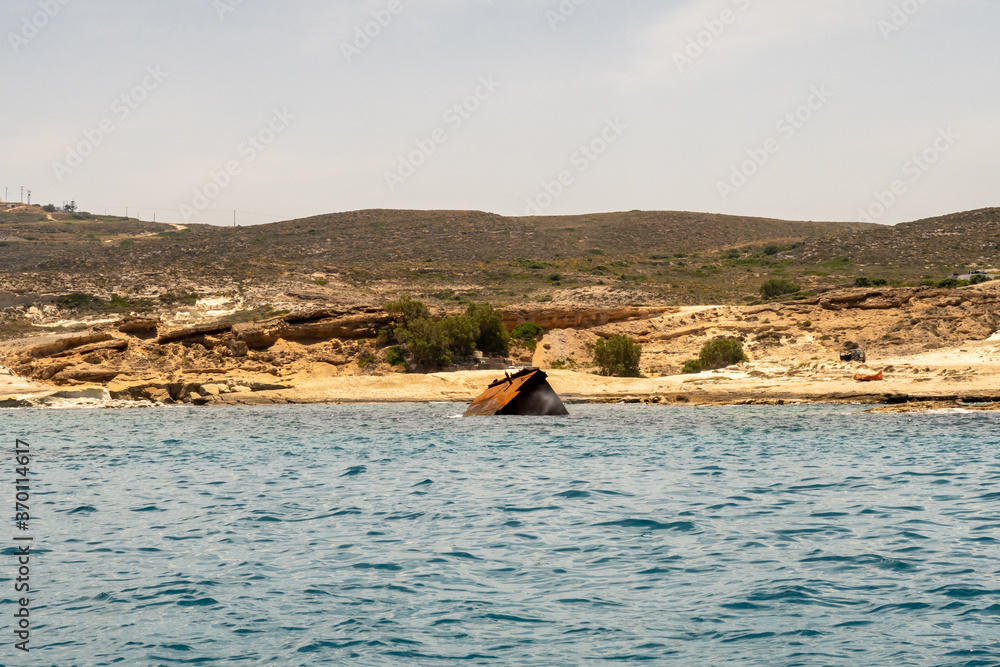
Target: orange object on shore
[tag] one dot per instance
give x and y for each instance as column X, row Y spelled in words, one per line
column 870, row 378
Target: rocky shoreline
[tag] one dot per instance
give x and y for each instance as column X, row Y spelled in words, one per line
column 935, row 347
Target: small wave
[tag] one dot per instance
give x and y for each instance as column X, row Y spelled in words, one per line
column 649, row 524
column 514, row 619
column 387, row 567
column 524, row 510
column 201, row 602
column 148, row 508
column 573, row 494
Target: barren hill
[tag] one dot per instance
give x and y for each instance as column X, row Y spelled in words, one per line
column 363, row 257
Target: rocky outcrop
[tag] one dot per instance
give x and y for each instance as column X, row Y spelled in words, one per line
column 139, row 326
column 578, row 318
column 195, row 333
column 50, row 345
column 316, row 325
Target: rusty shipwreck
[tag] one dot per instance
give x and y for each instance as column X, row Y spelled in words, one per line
column 525, row 393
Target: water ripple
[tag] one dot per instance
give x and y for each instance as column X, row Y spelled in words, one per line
column 397, row 535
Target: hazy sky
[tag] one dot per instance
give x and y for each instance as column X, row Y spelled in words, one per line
column 797, row 109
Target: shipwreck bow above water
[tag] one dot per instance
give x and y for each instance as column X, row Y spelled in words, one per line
column 525, row 393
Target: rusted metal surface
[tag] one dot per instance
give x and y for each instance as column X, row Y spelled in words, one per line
column 878, row 377
column 524, row 393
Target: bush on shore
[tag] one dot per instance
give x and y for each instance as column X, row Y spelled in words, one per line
column 434, row 344
column 618, row 356
column 717, row 353
column 527, row 334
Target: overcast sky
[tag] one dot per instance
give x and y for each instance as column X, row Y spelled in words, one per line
column 795, row 109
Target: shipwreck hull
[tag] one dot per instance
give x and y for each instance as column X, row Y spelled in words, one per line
column 526, row 393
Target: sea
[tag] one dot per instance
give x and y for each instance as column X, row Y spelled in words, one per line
column 408, row 535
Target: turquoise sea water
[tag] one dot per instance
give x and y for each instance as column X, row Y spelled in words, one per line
column 402, row 535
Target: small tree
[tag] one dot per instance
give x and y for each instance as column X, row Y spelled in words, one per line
column 778, row 287
column 492, row 337
column 618, row 356
column 426, row 342
column 407, row 309
column 461, row 333
column 978, row 278
column 721, row 352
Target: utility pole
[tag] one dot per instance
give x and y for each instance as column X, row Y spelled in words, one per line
column 234, row 218
column 126, row 212
column 21, row 200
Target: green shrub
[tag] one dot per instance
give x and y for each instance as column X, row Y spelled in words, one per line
column 778, row 287
column 49, row 208
column 426, row 343
column 617, row 356
column 951, row 283
column 394, row 356
column 387, row 336
column 870, row 282
column 408, row 309
column 189, row 299
column 692, row 366
column 527, row 334
column 492, row 337
column 434, row 344
column 322, row 283
column 460, row 333
column 366, row 360
column 721, row 352
column 76, row 300
column 978, row 278
column 118, row 303
column 527, row 331
column 772, row 249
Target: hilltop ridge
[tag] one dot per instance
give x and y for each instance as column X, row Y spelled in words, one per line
column 363, row 257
